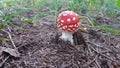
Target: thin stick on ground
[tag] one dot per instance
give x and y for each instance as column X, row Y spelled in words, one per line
column 4, row 61
column 97, row 64
column 9, row 37
column 92, row 61
column 104, row 55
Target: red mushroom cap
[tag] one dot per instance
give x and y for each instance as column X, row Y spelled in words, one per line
column 68, row 21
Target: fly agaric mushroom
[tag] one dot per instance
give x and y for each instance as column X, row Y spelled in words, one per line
column 68, row 22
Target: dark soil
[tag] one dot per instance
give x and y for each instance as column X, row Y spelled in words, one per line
column 40, row 47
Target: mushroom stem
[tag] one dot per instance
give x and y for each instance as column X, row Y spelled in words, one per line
column 67, row 36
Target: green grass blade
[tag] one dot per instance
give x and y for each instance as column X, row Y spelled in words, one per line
column 118, row 3
column 3, row 39
column 108, row 29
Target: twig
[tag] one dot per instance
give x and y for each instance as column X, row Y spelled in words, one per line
column 90, row 51
column 97, row 64
column 4, row 61
column 91, row 23
column 103, row 55
column 90, row 62
column 10, row 37
column 96, row 45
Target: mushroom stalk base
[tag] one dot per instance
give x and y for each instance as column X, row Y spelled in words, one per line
column 67, row 36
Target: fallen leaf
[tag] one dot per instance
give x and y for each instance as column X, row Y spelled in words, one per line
column 12, row 52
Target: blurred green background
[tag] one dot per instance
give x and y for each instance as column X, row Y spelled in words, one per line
column 13, row 10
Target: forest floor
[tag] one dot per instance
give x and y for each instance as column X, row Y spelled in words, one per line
column 36, row 45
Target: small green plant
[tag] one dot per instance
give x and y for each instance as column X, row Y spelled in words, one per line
column 7, row 16
column 8, row 11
